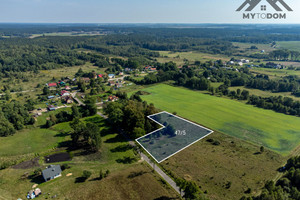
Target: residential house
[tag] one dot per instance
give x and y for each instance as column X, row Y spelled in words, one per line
column 111, row 83
column 52, row 84
column 118, row 85
column 86, row 79
column 62, row 83
column 67, row 88
column 121, row 74
column 51, row 172
column 51, row 108
column 128, row 69
column 113, row 98
column 64, row 93
column 68, row 99
column 51, row 97
column 111, row 76
column 100, row 76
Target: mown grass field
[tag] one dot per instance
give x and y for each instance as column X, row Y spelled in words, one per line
column 291, row 45
column 127, row 181
column 234, row 161
column 28, row 141
column 273, row 130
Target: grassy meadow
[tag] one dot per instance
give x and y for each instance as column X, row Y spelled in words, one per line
column 178, row 57
column 291, row 45
column 274, row 73
column 233, row 161
column 275, row 131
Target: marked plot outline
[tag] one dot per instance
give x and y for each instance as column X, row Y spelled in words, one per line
column 175, row 135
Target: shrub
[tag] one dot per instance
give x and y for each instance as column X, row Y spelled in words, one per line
column 65, row 166
column 86, row 174
column 216, row 143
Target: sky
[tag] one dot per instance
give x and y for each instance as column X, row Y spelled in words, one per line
column 134, row 11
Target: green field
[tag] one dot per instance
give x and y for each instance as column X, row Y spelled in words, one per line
column 28, row 141
column 291, row 45
column 276, row 131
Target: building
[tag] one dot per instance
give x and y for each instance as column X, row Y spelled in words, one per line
column 67, row 99
column 86, row 79
column 112, row 98
column 100, row 76
column 51, row 97
column 64, row 93
column 51, row 172
column 111, row 76
column 111, row 83
column 67, row 88
column 51, row 108
column 52, row 84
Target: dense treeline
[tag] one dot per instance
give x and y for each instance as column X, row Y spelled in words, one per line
column 287, row 187
column 131, row 115
column 13, row 116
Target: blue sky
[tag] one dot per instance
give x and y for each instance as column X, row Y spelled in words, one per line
column 132, row 11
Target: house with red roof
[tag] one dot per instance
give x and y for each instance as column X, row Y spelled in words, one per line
column 64, row 93
column 113, row 98
column 52, row 84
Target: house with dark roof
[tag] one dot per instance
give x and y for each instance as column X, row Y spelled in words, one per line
column 51, row 172
column 51, row 108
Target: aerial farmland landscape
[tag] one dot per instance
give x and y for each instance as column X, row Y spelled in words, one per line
column 160, row 100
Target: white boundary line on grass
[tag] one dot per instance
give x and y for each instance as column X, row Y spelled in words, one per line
column 165, row 127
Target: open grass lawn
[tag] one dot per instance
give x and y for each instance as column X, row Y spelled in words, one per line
column 126, row 181
column 276, row 131
column 234, row 161
column 265, row 93
column 291, row 45
column 28, row 141
column 276, row 72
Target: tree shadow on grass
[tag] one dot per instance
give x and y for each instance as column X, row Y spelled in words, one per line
column 66, row 144
column 62, row 134
column 96, row 120
column 136, row 174
column 80, row 179
column 127, row 160
column 117, row 138
column 36, row 179
column 122, row 148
